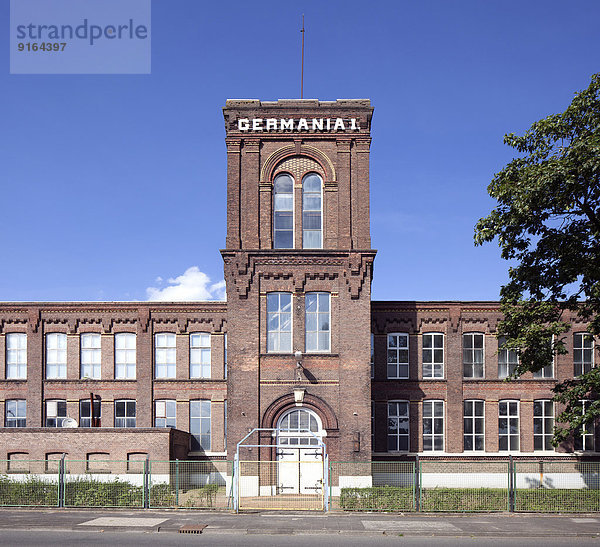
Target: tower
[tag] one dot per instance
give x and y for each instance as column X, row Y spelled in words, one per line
column 298, row 267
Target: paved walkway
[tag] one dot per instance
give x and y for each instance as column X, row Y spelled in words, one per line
column 410, row 524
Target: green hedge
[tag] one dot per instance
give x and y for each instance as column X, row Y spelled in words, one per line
column 32, row 491
column 94, row 493
column 377, row 498
column 464, row 499
column 557, row 500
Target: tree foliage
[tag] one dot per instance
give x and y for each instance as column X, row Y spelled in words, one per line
column 547, row 223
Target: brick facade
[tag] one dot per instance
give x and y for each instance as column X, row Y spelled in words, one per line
column 254, row 386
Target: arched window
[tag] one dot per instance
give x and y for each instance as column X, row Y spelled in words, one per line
column 298, row 427
column 312, row 212
column 283, row 212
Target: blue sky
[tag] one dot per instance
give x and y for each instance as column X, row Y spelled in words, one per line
column 112, row 185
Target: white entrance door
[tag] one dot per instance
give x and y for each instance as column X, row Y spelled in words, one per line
column 299, row 456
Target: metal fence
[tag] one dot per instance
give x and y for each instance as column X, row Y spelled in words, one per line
column 426, row 485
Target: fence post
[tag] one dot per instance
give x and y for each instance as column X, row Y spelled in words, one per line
column 177, row 482
column 511, row 485
column 235, row 481
column 61, row 481
column 325, row 483
column 146, row 503
column 417, row 484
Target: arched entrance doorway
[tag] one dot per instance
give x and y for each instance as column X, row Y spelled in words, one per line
column 299, row 435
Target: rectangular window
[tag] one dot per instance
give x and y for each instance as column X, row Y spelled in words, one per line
column 433, row 426
column 397, row 355
column 56, row 412
column 165, row 413
column 15, row 413
column 125, row 356
column 372, row 356
column 508, row 359
column 16, row 356
column 279, row 322
column 398, row 426
column 164, row 355
column 547, row 371
column 433, row 355
column 90, row 356
column 583, row 353
column 200, row 425
column 543, row 425
column 225, row 357
column 585, row 440
column 125, row 413
column 473, row 355
column 200, row 355
column 56, row 355
column 85, row 416
column 317, row 322
column 474, row 432
column 508, row 425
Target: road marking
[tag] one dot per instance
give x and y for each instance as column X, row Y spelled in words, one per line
column 417, row 526
column 123, row 521
column 582, row 520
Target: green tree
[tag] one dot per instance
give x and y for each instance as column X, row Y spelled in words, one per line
column 547, row 223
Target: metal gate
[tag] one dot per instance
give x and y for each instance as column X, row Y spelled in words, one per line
column 298, row 480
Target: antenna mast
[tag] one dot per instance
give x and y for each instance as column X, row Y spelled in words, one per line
column 302, row 72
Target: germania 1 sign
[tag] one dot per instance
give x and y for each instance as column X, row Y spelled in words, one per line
column 298, row 124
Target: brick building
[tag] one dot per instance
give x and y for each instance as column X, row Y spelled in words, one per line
column 299, row 349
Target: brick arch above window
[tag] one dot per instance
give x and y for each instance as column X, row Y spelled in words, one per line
column 306, row 152
column 298, row 166
column 287, row 402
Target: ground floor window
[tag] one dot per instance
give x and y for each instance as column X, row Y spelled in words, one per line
column 433, row 426
column 200, row 424
column 543, row 425
column 398, row 426
column 508, row 425
column 473, row 426
column 124, row 413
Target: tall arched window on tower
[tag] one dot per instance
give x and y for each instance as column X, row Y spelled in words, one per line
column 283, row 212
column 312, row 212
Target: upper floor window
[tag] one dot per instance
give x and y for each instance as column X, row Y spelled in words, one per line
column 56, row 355
column 433, row 355
column 165, row 413
column 15, row 413
column 397, row 355
column 372, row 356
column 312, row 212
column 90, row 356
column 283, row 212
column 548, row 370
column 508, row 359
column 318, row 332
column 473, row 355
column 125, row 351
column 583, row 352
column 56, row 412
column 16, row 356
column 200, row 355
column 543, row 425
column 279, row 322
column 164, row 355
column 125, row 413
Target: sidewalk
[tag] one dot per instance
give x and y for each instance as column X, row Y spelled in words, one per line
column 408, row 524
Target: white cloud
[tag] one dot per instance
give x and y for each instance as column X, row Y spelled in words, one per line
column 192, row 285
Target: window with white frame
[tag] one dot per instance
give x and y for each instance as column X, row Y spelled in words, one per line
column 508, row 359
column 543, row 425
column 317, row 322
column 200, row 355
column 125, row 356
column 433, row 355
column 584, row 441
column 125, row 413
column 473, row 355
column 372, row 356
column 225, row 356
column 86, row 419
column 56, row 412
column 372, row 426
column 312, row 212
column 15, row 413
column 16, row 356
column 56, row 355
column 548, row 370
column 279, row 322
column 433, row 426
column 508, row 425
column 473, row 426
column 398, row 430
column 283, row 212
column 200, row 424
column 397, row 355
column 583, row 352
column 165, row 411
column 90, row 356
column 164, row 355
